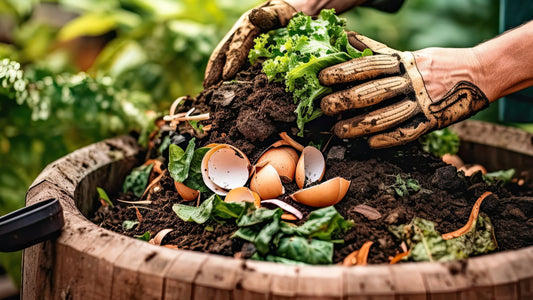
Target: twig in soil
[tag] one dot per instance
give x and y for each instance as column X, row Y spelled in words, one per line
column 175, row 105
column 136, row 202
column 358, row 257
column 151, row 185
column 471, row 220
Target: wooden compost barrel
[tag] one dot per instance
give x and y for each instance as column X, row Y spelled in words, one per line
column 88, row 262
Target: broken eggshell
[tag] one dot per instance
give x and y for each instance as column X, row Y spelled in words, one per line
column 243, row 194
column 267, row 183
column 311, row 167
column 224, row 168
column 325, row 194
column 186, row 192
column 283, row 159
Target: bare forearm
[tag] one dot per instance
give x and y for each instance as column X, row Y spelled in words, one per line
column 506, row 62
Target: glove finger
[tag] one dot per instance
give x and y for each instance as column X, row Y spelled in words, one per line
column 376, row 121
column 399, row 136
column 361, row 42
column 364, row 95
column 360, row 69
column 241, row 43
column 217, row 60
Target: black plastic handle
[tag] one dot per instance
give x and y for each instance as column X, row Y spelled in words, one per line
column 31, row 225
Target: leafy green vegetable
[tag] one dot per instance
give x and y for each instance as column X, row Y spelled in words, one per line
column 440, row 142
column 185, row 166
column 199, row 214
column 137, row 180
column 324, row 224
column 297, row 53
column 144, row 237
column 103, row 195
column 426, row 243
column 403, row 187
column 128, row 224
column 179, row 161
column 311, row 251
column 502, row 176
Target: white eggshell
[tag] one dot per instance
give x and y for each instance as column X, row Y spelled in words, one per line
column 228, row 168
column 311, row 167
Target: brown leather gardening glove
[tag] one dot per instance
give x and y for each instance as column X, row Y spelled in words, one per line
column 391, row 81
column 232, row 52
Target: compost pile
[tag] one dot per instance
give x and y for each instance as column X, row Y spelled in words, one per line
column 399, row 202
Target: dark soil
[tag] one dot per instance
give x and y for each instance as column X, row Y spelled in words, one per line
column 250, row 112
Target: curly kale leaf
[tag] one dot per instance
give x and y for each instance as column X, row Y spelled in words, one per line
column 297, row 53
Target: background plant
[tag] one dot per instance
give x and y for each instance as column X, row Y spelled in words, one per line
column 92, row 68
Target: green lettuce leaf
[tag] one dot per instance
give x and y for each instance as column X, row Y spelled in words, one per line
column 199, row 214
column 324, row 224
column 180, row 161
column 297, row 53
column 311, row 251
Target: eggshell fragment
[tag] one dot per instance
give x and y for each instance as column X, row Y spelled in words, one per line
column 186, row 192
column 311, row 167
column 325, row 194
column 469, row 171
column 266, row 183
column 453, row 160
column 225, row 167
column 243, row 194
column 283, row 159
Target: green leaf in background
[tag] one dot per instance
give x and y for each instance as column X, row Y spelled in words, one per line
column 128, row 224
column 103, row 195
column 502, row 176
column 179, row 161
column 137, row 180
column 311, row 251
column 87, row 25
column 440, row 142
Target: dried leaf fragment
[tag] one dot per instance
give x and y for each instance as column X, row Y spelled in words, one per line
column 158, row 238
column 368, row 211
column 358, row 257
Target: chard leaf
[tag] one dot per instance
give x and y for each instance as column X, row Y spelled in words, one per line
column 308, row 251
column 199, row 214
column 137, row 180
column 180, row 161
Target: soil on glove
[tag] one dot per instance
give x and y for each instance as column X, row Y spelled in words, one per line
column 250, row 112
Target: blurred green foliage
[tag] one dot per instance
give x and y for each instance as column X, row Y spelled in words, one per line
column 54, row 99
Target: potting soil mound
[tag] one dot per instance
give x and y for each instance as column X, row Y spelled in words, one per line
column 250, row 112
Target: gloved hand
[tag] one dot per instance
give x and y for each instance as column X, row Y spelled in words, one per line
column 232, row 52
column 398, row 106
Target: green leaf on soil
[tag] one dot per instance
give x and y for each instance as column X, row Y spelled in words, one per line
column 311, row 251
column 128, row 224
column 502, row 176
column 180, row 161
column 440, row 142
column 144, row 237
column 103, row 195
column 137, row 180
column 199, row 214
column 426, row 243
column 324, row 224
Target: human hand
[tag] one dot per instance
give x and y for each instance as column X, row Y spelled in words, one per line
column 404, row 94
column 232, row 52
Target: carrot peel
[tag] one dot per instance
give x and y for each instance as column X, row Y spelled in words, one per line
column 471, row 220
